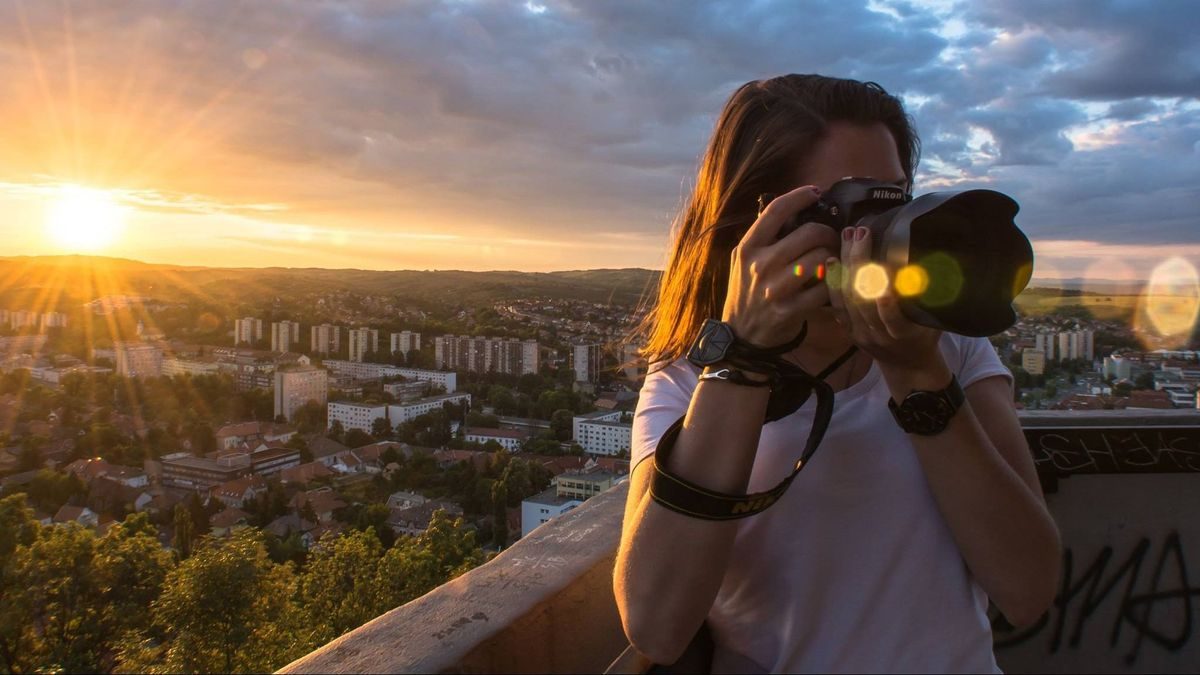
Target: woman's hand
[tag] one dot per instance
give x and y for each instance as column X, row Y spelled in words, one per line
column 774, row 281
column 877, row 325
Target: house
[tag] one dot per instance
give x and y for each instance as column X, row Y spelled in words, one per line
column 252, row 433
column 109, row 496
column 322, row 530
column 238, row 491
column 403, row 500
column 305, row 473
column 348, row 462
column 90, row 469
column 286, row 525
column 76, row 514
column 509, row 439
column 325, row 450
column 448, row 458
column 415, row 519
column 324, row 501
column 229, row 520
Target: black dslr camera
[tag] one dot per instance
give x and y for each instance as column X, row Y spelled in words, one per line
column 973, row 258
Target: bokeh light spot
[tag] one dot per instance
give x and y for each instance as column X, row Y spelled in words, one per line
column 1172, row 298
column 945, row 279
column 911, row 280
column 871, row 281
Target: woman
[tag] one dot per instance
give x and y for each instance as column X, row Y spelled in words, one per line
column 883, row 554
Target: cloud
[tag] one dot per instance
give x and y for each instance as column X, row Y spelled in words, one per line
column 586, row 119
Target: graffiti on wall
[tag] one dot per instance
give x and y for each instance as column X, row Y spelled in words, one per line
column 1151, row 591
column 1065, row 451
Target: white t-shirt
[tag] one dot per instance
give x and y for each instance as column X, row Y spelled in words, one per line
column 854, row 569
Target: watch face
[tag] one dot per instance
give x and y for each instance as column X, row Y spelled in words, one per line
column 924, row 412
column 712, row 344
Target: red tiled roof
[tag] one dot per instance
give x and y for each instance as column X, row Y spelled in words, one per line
column 229, row 517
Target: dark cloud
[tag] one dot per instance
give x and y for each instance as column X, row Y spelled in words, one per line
column 590, row 116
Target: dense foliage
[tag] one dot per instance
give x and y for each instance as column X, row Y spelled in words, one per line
column 72, row 601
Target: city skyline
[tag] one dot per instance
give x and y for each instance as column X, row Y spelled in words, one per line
column 556, row 136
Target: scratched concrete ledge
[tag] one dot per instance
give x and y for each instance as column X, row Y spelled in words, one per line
column 544, row 605
column 1109, row 418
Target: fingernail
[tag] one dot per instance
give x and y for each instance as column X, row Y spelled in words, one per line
column 821, row 272
column 799, row 270
column 860, row 233
column 848, row 234
column 816, row 190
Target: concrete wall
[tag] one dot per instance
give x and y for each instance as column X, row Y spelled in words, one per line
column 1124, row 489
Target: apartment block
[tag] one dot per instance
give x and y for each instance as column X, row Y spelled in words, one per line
column 298, row 385
column 363, row 341
column 326, row 339
column 405, row 342
column 248, row 330
column 585, row 359
column 285, row 336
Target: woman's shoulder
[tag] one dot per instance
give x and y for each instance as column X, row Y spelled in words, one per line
column 678, row 375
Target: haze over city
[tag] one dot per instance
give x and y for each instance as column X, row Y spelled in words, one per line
column 545, row 136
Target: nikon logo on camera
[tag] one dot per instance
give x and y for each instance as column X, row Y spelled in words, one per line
column 755, row 505
column 884, row 193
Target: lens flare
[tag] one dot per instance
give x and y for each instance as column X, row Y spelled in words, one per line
column 945, row 279
column 871, row 281
column 1171, row 300
column 911, row 280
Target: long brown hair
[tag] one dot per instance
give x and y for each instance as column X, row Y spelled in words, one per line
column 766, row 130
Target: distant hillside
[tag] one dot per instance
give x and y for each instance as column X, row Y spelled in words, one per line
column 71, row 280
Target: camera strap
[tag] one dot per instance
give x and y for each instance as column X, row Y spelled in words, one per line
column 795, row 388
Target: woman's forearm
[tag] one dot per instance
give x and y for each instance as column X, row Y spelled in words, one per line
column 669, row 566
column 1003, row 529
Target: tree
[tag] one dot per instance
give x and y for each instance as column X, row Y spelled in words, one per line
column 562, row 423
column 309, row 418
column 499, row 515
column 381, row 428
column 356, row 438
column 18, row 530
column 185, row 531
column 338, row 586
column 227, row 608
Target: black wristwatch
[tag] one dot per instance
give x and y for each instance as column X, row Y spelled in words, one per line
column 717, row 344
column 927, row 413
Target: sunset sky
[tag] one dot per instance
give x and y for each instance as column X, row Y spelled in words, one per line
column 561, row 135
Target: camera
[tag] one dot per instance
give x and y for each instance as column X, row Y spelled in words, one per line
column 958, row 255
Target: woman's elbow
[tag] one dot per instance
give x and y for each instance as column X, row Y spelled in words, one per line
column 653, row 632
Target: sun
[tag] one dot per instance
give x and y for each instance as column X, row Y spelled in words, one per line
column 84, row 219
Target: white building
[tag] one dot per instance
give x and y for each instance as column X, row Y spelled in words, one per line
column 176, row 366
column 509, row 439
column 326, row 339
column 542, row 507
column 378, row 371
column 1033, row 361
column 135, row 359
column 482, row 354
column 586, row 361
column 247, row 331
column 602, row 432
column 1117, row 367
column 285, row 335
column 399, row 413
column 362, row 342
column 359, row 416
column 405, row 342
column 298, row 385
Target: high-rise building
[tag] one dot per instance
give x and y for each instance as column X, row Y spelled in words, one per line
column 326, row 339
column 363, row 341
column 586, row 361
column 298, row 385
column 481, row 354
column 285, row 335
column 136, row 359
column 247, row 331
column 405, row 342
column 1033, row 361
